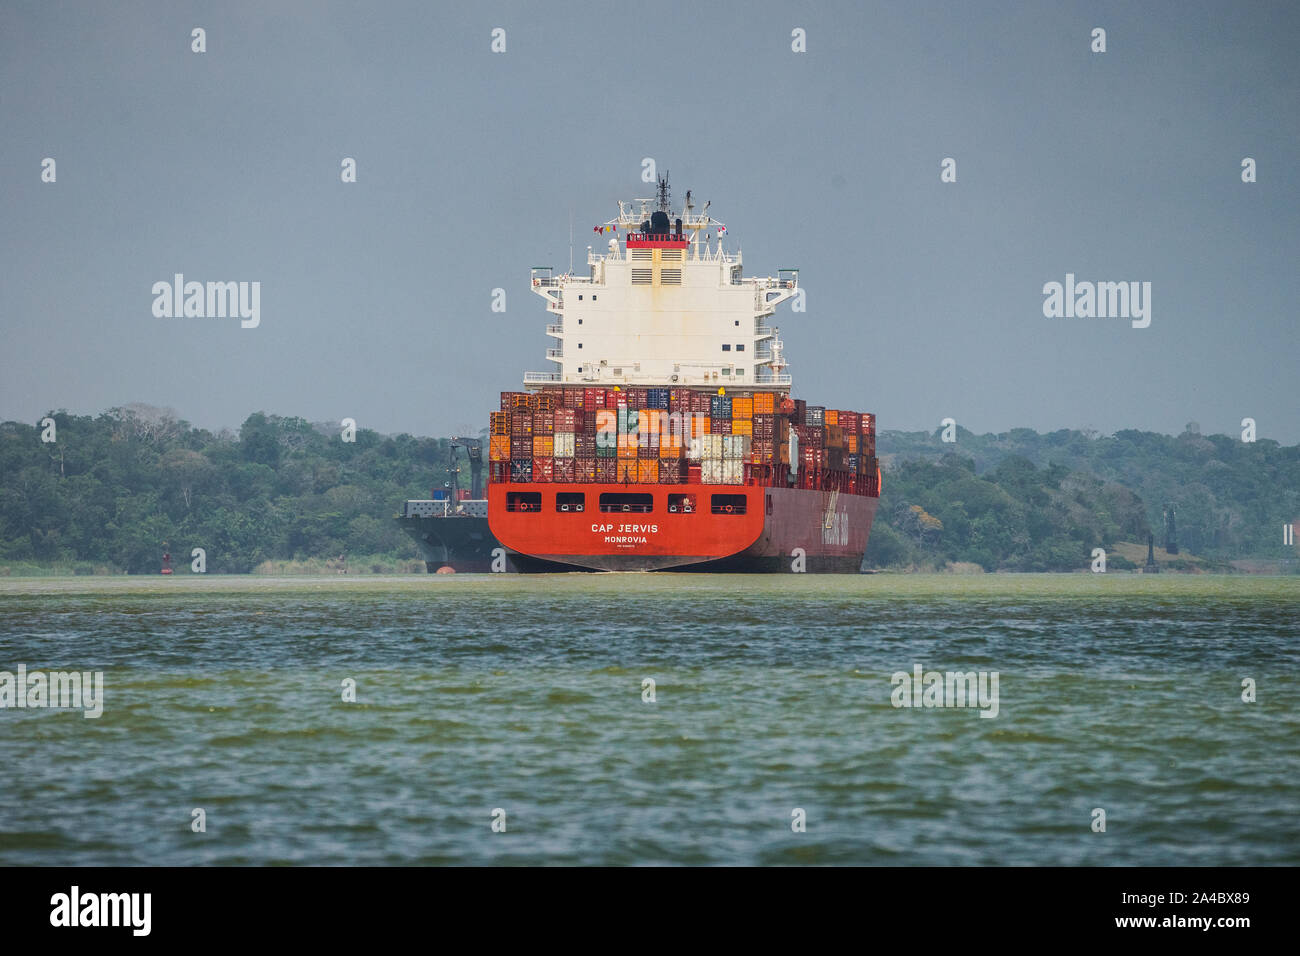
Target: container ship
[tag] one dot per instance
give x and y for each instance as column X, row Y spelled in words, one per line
column 668, row 438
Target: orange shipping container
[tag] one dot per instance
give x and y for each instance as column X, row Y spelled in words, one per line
column 831, row 416
column 626, row 470
column 543, row 446
column 742, row 407
column 670, row 447
column 651, row 421
column 764, row 403
column 741, row 426
column 648, row 470
column 499, row 449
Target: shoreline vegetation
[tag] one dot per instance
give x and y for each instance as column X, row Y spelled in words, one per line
column 108, row 494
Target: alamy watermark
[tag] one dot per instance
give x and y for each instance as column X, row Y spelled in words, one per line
column 923, row 688
column 75, row 908
column 76, row 690
column 212, row 300
column 1098, row 300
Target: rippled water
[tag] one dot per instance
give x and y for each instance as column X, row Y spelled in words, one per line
column 525, row 693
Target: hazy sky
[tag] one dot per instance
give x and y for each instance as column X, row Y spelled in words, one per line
column 924, row 298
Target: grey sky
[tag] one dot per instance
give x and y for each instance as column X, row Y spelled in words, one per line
column 924, row 298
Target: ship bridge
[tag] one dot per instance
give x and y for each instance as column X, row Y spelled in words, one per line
column 664, row 304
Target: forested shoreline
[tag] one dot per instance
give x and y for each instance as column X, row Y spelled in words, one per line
column 111, row 491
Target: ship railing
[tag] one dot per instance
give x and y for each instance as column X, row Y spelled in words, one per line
column 555, row 354
column 774, row 380
column 531, row 378
column 555, row 330
column 764, row 332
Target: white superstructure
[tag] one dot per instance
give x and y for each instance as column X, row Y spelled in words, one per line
column 664, row 305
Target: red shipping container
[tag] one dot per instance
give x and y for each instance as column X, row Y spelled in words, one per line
column 564, row 469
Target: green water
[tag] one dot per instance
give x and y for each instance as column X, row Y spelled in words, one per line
column 524, row 693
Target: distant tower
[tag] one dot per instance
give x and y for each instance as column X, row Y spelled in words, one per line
column 1152, row 567
column 1171, row 531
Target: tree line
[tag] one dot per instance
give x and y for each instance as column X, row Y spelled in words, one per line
column 109, row 492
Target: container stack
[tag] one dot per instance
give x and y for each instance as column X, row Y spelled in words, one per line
column 679, row 435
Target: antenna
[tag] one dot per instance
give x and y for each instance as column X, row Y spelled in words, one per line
column 570, row 240
column 663, row 193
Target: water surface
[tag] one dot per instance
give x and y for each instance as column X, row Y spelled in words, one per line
column 524, row 693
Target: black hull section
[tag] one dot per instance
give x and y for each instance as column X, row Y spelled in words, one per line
column 465, row 544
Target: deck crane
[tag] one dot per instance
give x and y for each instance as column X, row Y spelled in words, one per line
column 474, row 453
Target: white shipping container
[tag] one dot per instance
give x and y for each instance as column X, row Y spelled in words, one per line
column 735, row 446
column 714, row 446
column 564, row 444
column 733, row 471
column 711, row 471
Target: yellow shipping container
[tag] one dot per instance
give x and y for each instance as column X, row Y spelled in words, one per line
column 742, row 426
column 543, row 446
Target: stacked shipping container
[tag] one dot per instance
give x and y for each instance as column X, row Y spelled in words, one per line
column 680, row 435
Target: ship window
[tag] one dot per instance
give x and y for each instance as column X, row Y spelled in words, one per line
column 579, row 298
column 726, row 348
column 593, row 298
column 681, row 504
column 740, row 347
column 728, row 504
column 740, row 371
column 570, row 501
column 638, row 504
column 726, row 371
column 580, row 321
column 579, row 345
column 524, row 501
column 738, row 322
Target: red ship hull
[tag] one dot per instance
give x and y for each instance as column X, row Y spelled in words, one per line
column 732, row 528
